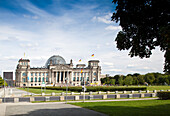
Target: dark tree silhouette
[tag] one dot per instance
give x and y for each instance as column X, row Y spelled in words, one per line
column 145, row 25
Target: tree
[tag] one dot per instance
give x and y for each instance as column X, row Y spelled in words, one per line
column 135, row 81
column 149, row 78
column 120, row 80
column 141, row 79
column 2, row 82
column 128, row 80
column 112, row 81
column 145, row 25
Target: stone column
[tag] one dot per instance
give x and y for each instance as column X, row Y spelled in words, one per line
column 69, row 76
column 76, row 77
column 85, row 78
column 60, row 77
column 63, row 76
column 56, row 77
column 52, row 77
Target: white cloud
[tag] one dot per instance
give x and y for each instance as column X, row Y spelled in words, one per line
column 115, row 70
column 108, row 63
column 104, row 19
column 32, row 17
column 113, row 28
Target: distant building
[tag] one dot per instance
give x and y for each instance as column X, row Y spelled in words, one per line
column 56, row 71
column 8, row 75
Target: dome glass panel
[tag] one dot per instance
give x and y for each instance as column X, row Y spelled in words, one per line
column 56, row 59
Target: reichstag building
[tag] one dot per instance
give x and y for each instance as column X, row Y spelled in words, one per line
column 57, row 72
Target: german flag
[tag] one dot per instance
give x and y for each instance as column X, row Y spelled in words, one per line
column 81, row 70
column 92, row 55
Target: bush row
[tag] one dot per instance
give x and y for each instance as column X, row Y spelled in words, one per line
column 94, row 89
column 163, row 95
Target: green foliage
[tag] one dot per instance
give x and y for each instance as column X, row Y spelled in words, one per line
column 112, row 81
column 145, row 25
column 141, row 79
column 120, row 80
column 2, row 82
column 128, row 80
column 149, row 78
column 137, row 79
column 164, row 95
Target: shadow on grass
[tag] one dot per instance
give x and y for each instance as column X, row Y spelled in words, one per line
column 116, row 110
column 53, row 112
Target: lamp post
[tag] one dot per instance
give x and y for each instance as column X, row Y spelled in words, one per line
column 84, row 88
column 4, row 89
column 27, row 85
column 66, row 86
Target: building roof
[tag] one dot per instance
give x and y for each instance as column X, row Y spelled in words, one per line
column 56, row 59
column 20, row 60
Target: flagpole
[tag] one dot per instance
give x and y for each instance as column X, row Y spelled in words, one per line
column 84, row 89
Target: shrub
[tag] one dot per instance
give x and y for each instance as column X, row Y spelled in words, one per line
column 97, row 88
column 164, row 95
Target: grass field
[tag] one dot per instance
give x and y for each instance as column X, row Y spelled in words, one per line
column 38, row 91
column 130, row 108
column 151, row 88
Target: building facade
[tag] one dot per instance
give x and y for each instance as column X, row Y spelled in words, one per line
column 8, row 75
column 57, row 72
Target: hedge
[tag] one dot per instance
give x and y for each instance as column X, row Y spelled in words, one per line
column 94, row 89
column 164, row 95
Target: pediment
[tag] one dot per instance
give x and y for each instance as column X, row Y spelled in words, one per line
column 61, row 67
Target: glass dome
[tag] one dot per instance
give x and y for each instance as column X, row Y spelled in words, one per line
column 56, row 59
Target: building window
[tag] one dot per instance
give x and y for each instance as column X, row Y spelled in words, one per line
column 31, row 74
column 46, row 79
column 39, row 74
column 87, row 78
column 46, row 74
column 23, row 79
column 31, row 84
column 35, row 84
column 94, row 79
column 81, row 78
column 43, row 79
column 31, row 79
column 35, row 74
column 77, row 78
column 35, row 79
column 74, row 78
column 77, row 74
column 43, row 74
column 74, row 74
column 39, row 79
column 23, row 74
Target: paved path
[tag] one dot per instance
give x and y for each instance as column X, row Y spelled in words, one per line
column 45, row 109
column 13, row 91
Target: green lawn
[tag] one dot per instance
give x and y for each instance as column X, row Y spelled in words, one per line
column 151, row 88
column 130, row 108
column 38, row 91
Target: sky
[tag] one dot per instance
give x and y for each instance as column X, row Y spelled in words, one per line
column 73, row 29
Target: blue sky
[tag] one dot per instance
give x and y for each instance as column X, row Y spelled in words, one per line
column 74, row 29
